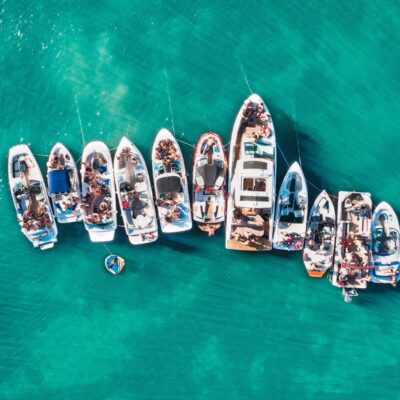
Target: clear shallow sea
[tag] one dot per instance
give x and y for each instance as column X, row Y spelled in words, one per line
column 188, row 319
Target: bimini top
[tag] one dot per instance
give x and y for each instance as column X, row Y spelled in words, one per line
column 209, row 174
column 59, row 181
column 169, row 184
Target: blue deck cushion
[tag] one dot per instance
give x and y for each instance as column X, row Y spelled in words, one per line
column 59, row 181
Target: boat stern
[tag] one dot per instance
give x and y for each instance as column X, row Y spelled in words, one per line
column 102, row 236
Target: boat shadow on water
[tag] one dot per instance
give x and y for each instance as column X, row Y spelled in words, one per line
column 373, row 294
column 182, row 246
column 286, row 128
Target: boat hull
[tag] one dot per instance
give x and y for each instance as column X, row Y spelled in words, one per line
column 353, row 262
column 30, row 196
column 209, row 172
column 291, row 211
column 249, row 222
column 98, row 188
column 320, row 237
column 137, row 210
column 173, row 205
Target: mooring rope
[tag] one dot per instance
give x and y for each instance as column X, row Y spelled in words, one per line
column 283, row 155
column 188, row 144
column 169, row 100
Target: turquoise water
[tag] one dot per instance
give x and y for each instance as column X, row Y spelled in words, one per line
column 188, row 319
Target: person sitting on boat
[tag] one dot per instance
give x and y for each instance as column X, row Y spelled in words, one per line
column 103, row 206
column 287, row 238
column 350, row 259
column 266, row 130
column 260, row 110
column 67, row 204
column 343, row 275
column 52, row 163
column 27, row 224
column 148, row 236
column 208, row 145
column 246, row 109
column 125, row 202
column 310, row 243
column 175, row 213
column 93, row 218
column 394, row 277
column 61, row 162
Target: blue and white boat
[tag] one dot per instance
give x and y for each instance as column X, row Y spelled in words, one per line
column 291, row 211
column 171, row 186
column 63, row 185
column 98, row 192
column 135, row 194
column 30, row 198
column 385, row 245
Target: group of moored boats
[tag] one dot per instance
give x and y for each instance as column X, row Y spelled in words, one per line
column 358, row 244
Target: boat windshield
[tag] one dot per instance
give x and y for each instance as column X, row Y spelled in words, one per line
column 258, row 150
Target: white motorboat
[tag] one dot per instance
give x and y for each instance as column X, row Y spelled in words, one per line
column 319, row 245
column 98, row 192
column 291, row 211
column 30, row 198
column 135, row 194
column 353, row 261
column 170, row 184
column 252, row 169
column 209, row 171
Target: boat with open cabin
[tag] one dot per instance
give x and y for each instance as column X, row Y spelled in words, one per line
column 353, row 261
column 209, row 172
column 291, row 211
column 251, row 185
column 319, row 244
column 385, row 245
column 135, row 194
column 30, row 198
column 98, row 192
column 63, row 185
column 170, row 184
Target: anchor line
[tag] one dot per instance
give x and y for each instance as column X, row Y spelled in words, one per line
column 298, row 144
column 109, row 251
column 283, row 155
column 245, row 77
column 188, row 144
column 169, row 100
column 314, row 186
column 80, row 121
column 41, row 155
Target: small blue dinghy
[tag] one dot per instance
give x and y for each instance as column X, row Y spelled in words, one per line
column 114, row 264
